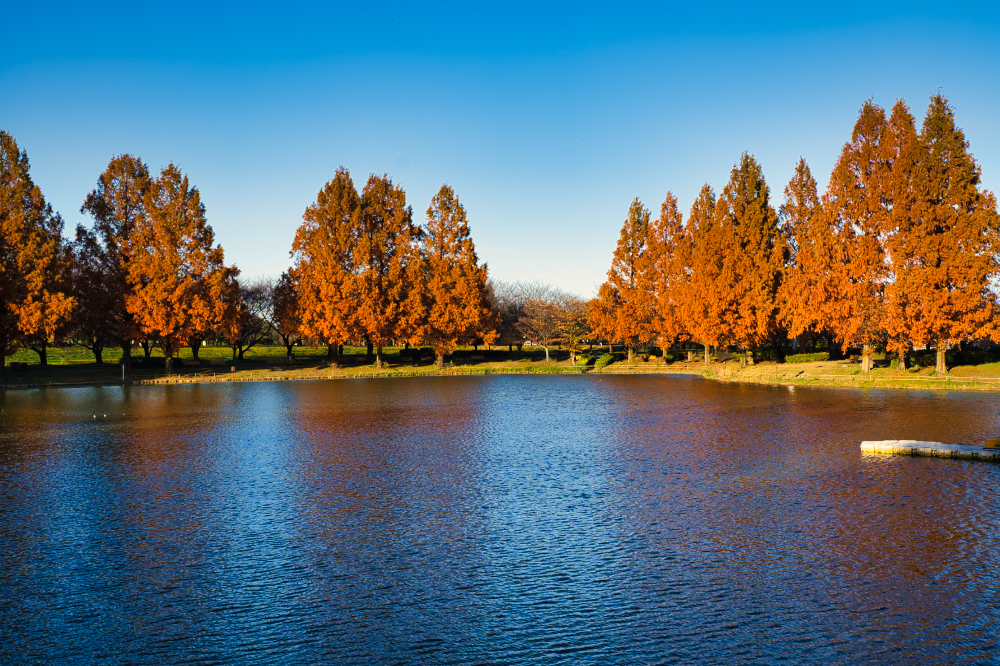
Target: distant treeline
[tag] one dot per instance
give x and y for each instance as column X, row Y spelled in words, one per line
column 899, row 252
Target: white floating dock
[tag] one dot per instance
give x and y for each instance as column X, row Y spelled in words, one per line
column 913, row 447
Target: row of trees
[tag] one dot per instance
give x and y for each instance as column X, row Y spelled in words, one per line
column 148, row 272
column 900, row 252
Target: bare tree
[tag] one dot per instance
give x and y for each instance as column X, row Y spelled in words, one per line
column 531, row 311
column 255, row 312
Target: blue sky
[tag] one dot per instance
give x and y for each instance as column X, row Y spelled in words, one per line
column 547, row 122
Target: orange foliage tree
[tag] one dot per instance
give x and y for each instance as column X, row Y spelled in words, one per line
column 32, row 302
column 178, row 277
column 859, row 207
column 945, row 245
column 810, row 288
column 387, row 276
column 324, row 271
column 623, row 311
column 664, row 272
column 700, row 291
column 753, row 257
column 102, row 274
column 456, row 306
column 285, row 318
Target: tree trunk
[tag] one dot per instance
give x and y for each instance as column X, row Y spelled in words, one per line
column 331, row 355
column 168, row 362
column 902, row 360
column 43, row 353
column 546, row 354
column 195, row 346
column 630, row 351
column 866, row 359
column 708, row 357
column 378, row 357
column 941, row 368
column 243, row 350
column 369, row 355
column 98, row 350
column 127, row 355
column 147, row 350
column 288, row 351
column 440, row 360
column 611, row 349
column 233, row 347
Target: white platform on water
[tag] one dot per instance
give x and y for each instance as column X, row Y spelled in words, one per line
column 913, row 447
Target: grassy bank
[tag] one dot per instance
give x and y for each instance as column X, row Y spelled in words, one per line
column 74, row 366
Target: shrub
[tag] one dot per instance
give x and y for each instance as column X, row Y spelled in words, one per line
column 151, row 362
column 586, row 359
column 605, row 360
column 807, row 358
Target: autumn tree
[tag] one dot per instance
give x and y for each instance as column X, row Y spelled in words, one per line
column 810, row 289
column 387, row 279
column 860, row 210
column 944, row 249
column 31, row 253
column 325, row 272
column 700, row 294
column 177, row 275
column 285, row 319
column 664, row 272
column 574, row 326
column 754, row 257
column 624, row 312
column 102, row 285
column 456, row 302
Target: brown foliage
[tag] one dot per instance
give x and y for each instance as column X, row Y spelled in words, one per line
column 178, row 277
column 33, row 301
column 455, row 298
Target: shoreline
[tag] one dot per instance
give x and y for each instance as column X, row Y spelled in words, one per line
column 822, row 374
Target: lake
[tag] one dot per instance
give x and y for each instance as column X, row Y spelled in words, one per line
column 493, row 520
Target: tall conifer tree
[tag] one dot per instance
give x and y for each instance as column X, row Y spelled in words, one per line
column 703, row 247
column 103, row 288
column 753, row 259
column 456, row 302
column 325, row 265
column 810, row 286
column 387, row 266
column 664, row 271
column 625, row 310
column 31, row 254
column 860, row 212
column 945, row 249
column 176, row 271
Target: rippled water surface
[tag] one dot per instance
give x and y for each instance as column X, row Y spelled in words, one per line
column 506, row 520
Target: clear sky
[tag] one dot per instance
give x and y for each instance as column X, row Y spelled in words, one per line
column 546, row 121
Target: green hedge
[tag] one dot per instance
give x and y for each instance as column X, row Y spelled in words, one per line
column 605, row 360
column 808, row 358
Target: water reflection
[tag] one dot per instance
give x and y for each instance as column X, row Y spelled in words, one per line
column 492, row 520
